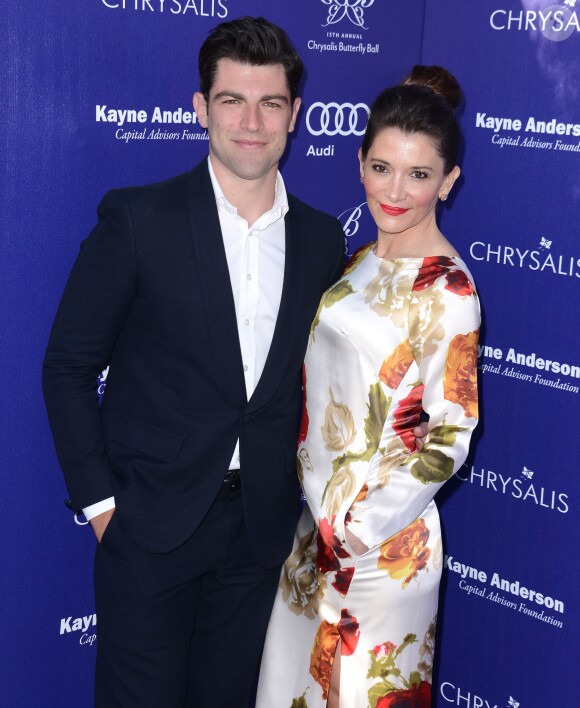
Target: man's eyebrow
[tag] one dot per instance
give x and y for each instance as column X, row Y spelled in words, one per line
column 275, row 97
column 239, row 97
column 228, row 94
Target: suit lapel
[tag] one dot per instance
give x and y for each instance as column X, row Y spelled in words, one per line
column 215, row 279
column 289, row 313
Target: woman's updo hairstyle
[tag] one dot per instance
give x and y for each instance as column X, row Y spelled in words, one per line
column 424, row 102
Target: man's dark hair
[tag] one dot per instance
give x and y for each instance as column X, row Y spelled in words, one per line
column 249, row 40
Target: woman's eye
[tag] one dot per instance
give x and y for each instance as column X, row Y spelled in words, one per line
column 380, row 168
column 419, row 174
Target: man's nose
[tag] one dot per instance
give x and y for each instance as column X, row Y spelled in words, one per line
column 252, row 119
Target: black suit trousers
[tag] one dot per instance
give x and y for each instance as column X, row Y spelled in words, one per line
column 183, row 628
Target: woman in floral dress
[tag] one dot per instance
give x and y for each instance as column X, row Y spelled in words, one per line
column 354, row 619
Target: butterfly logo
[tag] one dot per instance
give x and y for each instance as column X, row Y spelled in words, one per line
column 353, row 10
column 527, row 473
column 512, row 703
column 544, row 243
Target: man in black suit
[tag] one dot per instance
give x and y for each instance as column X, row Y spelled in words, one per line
column 199, row 292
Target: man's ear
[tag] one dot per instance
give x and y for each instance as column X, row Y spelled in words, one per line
column 295, row 108
column 200, row 108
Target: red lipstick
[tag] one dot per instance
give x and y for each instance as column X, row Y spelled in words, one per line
column 393, row 211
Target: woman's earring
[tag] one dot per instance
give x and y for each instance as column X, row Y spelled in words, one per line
column 443, row 197
column 362, row 178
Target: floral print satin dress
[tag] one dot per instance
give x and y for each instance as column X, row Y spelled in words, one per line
column 390, row 337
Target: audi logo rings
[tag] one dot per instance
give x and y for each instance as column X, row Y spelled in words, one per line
column 337, row 119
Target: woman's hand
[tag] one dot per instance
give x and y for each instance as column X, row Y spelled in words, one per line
column 420, row 433
column 354, row 542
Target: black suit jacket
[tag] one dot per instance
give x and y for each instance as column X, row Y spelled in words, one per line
column 150, row 295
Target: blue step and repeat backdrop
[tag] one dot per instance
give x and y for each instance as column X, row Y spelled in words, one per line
column 98, row 94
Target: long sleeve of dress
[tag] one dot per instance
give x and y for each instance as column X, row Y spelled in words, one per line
column 434, row 368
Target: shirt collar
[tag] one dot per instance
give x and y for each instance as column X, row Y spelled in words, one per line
column 278, row 209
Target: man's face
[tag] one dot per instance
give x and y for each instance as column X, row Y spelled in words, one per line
column 248, row 116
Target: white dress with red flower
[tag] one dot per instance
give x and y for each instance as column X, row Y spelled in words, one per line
column 391, row 337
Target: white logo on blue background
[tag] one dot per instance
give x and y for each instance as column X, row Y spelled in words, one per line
column 527, row 473
column 337, row 119
column 349, row 220
column 352, row 10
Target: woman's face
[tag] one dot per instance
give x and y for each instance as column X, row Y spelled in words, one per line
column 403, row 178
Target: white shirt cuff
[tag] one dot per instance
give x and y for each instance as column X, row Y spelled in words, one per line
column 99, row 508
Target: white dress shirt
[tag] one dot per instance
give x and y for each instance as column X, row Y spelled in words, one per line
column 255, row 256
